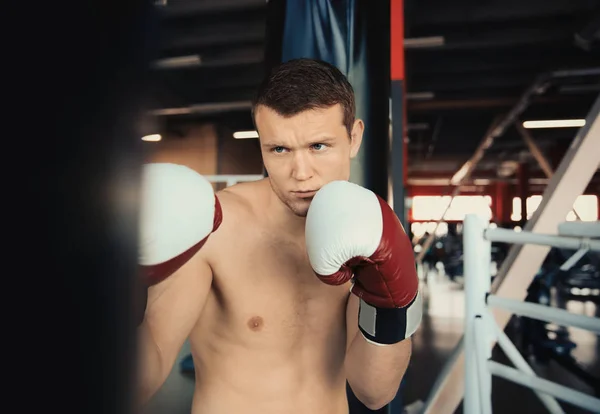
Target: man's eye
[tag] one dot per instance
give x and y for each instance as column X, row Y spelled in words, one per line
column 318, row 147
column 278, row 150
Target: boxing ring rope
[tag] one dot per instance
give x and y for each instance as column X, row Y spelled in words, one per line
column 481, row 330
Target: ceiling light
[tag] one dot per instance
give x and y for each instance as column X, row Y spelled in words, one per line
column 554, row 123
column 152, row 138
column 420, row 95
column 424, row 42
column 245, row 134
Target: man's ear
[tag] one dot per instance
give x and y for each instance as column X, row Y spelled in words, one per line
column 356, row 137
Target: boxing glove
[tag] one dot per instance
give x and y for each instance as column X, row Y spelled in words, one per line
column 353, row 234
column 179, row 210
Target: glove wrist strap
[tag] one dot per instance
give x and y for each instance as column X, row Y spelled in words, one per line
column 387, row 326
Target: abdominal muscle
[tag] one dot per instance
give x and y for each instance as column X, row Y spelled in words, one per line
column 245, row 378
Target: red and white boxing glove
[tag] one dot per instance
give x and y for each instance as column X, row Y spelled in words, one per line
column 352, row 233
column 179, row 210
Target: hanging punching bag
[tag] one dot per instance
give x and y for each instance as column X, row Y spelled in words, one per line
column 78, row 205
column 351, row 35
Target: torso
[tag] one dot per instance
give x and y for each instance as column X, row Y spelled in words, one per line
column 272, row 337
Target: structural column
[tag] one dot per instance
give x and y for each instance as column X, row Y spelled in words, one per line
column 501, row 204
column 398, row 110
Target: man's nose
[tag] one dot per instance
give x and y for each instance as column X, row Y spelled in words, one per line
column 302, row 169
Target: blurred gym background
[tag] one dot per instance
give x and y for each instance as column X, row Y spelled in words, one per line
column 471, row 107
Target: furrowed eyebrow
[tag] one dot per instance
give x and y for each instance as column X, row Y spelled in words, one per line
column 323, row 140
column 319, row 140
column 271, row 144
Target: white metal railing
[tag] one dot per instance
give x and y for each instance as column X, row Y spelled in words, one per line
column 482, row 331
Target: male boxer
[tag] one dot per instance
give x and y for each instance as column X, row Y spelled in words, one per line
column 286, row 287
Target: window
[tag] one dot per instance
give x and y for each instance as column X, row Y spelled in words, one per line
column 426, row 208
column 585, row 205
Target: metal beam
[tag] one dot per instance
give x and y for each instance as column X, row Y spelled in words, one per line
column 517, row 272
column 467, row 81
column 502, row 102
column 185, row 8
column 215, row 34
column 465, row 174
column 208, row 108
column 538, row 155
column 506, row 60
column 531, row 36
column 590, row 34
column 235, row 93
column 191, row 83
column 445, row 12
column 534, row 149
column 497, row 128
column 218, row 57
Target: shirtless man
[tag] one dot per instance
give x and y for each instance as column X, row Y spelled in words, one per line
column 268, row 292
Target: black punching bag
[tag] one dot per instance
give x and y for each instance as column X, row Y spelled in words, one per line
column 78, row 183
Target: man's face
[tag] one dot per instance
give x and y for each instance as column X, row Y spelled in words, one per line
column 306, row 151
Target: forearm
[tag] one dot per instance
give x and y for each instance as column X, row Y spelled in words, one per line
column 150, row 368
column 374, row 372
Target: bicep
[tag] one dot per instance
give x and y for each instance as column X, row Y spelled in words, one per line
column 175, row 304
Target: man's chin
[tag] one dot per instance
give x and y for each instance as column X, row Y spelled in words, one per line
column 300, row 209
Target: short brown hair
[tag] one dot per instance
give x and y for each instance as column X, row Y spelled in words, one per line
column 303, row 84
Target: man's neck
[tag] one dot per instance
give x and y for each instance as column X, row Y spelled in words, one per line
column 283, row 217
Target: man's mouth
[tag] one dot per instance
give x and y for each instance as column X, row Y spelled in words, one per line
column 305, row 194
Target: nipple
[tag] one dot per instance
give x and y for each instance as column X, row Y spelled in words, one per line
column 255, row 323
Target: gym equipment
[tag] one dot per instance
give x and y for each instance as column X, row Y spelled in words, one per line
column 546, row 344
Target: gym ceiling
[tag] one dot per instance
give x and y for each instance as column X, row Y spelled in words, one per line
column 479, row 60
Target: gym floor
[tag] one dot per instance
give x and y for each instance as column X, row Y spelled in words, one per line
column 440, row 331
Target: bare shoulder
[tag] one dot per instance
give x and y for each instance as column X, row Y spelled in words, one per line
column 240, row 206
column 241, row 200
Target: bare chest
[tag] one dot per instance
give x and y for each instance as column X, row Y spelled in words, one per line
column 265, row 289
